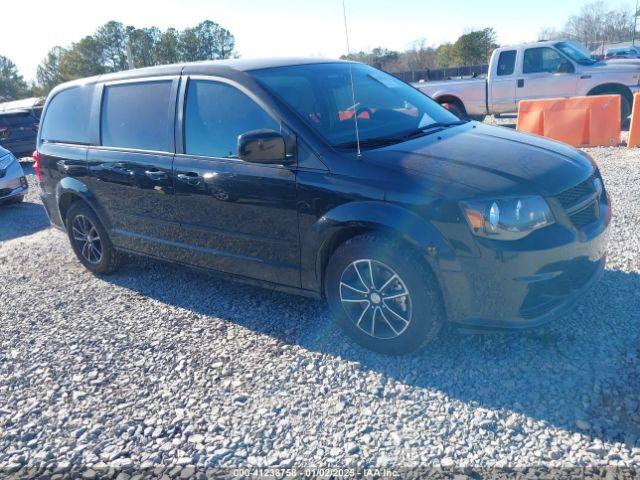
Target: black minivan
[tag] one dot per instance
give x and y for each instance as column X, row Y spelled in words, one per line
column 330, row 179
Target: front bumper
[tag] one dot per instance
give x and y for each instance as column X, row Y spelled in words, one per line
column 524, row 284
column 13, row 183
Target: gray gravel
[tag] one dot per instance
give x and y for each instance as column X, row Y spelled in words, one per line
column 160, row 368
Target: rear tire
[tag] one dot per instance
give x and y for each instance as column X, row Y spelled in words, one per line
column 90, row 241
column 383, row 295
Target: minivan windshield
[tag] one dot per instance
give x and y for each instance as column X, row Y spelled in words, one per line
column 388, row 110
column 575, row 53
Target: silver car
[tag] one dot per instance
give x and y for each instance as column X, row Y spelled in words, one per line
column 13, row 183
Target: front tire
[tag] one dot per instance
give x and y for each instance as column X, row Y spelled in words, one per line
column 383, row 295
column 90, row 241
column 626, row 102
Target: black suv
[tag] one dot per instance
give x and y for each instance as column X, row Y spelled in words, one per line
column 18, row 132
column 325, row 178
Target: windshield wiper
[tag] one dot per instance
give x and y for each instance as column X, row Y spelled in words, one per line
column 384, row 141
column 436, row 126
column 371, row 142
column 429, row 126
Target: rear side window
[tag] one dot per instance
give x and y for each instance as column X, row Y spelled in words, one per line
column 136, row 115
column 506, row 62
column 216, row 114
column 17, row 120
column 67, row 118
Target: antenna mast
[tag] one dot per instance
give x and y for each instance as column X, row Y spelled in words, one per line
column 353, row 89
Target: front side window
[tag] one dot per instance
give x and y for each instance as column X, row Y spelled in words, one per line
column 507, row 62
column 216, row 114
column 68, row 115
column 321, row 94
column 542, row 59
column 136, row 115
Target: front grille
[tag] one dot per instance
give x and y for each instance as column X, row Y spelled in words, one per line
column 573, row 199
column 570, row 197
column 585, row 216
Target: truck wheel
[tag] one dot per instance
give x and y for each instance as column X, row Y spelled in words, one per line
column 383, row 295
column 626, row 101
column 626, row 105
column 90, row 241
column 455, row 108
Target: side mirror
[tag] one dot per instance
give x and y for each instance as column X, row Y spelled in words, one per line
column 262, row 146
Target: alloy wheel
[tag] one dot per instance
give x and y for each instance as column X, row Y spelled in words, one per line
column 375, row 298
column 87, row 239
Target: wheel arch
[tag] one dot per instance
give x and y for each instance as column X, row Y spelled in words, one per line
column 349, row 220
column 70, row 190
column 612, row 87
column 449, row 98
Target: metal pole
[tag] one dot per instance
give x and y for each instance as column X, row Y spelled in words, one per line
column 635, row 21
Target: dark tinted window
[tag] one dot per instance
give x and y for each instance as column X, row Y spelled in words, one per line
column 17, row 120
column 68, row 116
column 322, row 95
column 542, row 59
column 216, row 114
column 136, row 115
column 507, row 62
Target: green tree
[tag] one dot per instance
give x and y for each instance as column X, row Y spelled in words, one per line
column 143, row 45
column 83, row 59
column 111, row 39
column 474, row 48
column 48, row 74
column 12, row 85
column 167, row 48
column 113, row 45
column 213, row 41
column 446, row 56
column 188, row 50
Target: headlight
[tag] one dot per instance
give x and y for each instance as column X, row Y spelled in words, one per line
column 6, row 161
column 507, row 218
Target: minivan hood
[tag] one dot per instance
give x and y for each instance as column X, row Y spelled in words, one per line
column 488, row 161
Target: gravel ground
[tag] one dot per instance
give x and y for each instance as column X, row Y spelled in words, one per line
column 164, row 369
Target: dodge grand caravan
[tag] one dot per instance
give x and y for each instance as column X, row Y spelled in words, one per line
column 283, row 174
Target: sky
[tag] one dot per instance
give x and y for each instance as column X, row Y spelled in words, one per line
column 277, row 28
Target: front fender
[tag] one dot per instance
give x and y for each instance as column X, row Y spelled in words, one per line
column 73, row 186
column 371, row 216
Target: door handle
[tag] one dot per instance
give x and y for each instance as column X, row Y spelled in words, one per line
column 192, row 178
column 156, row 175
column 520, row 82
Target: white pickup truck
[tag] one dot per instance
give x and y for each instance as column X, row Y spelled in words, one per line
column 548, row 69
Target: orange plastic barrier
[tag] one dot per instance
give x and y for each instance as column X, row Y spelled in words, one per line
column 591, row 121
column 634, row 128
